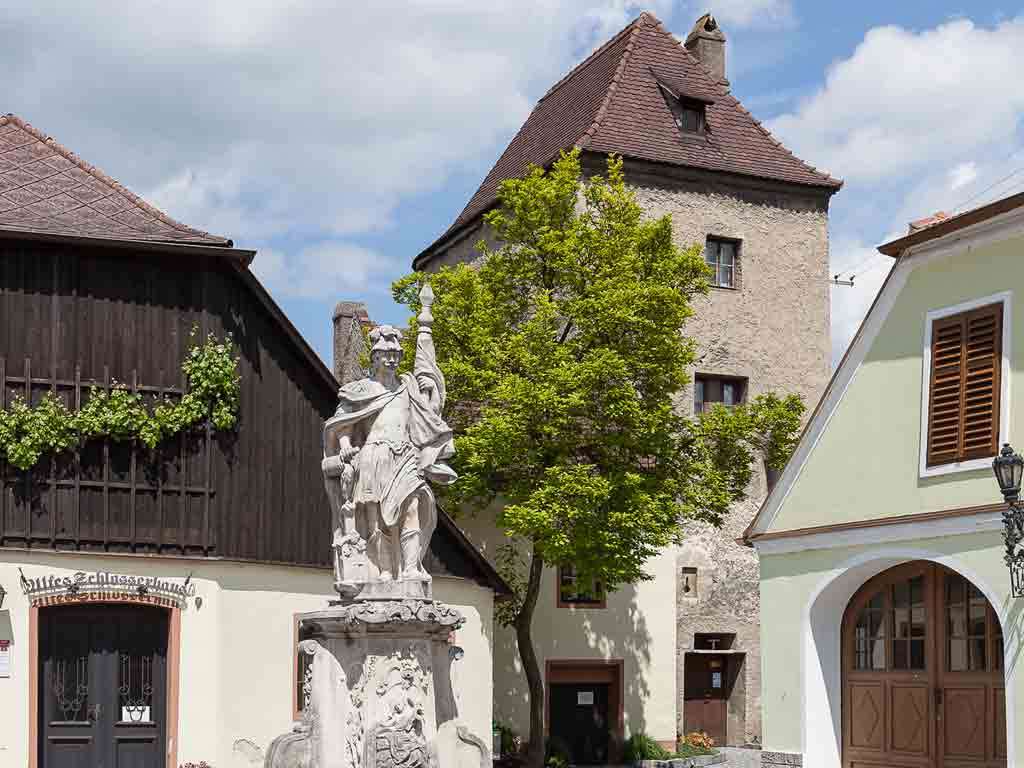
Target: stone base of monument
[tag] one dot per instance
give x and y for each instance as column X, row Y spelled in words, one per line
column 380, row 691
column 399, row 589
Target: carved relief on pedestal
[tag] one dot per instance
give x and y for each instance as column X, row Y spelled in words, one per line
column 397, row 737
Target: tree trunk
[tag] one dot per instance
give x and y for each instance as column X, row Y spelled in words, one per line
column 534, row 681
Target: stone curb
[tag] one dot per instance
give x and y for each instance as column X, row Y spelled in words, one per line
column 683, row 762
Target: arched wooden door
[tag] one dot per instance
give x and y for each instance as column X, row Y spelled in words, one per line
column 922, row 673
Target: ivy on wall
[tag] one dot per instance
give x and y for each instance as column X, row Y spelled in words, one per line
column 28, row 432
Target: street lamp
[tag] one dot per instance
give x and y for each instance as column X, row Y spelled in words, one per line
column 1008, row 468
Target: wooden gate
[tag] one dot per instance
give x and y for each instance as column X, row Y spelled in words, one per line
column 922, row 673
column 103, row 685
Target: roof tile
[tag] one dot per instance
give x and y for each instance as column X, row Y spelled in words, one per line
column 46, row 188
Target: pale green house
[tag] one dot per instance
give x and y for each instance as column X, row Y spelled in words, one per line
column 889, row 633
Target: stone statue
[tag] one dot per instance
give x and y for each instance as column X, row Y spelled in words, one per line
column 380, row 691
column 382, row 447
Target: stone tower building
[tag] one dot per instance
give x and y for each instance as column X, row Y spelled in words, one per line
column 680, row 652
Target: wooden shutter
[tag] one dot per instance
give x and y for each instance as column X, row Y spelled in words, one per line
column 963, row 398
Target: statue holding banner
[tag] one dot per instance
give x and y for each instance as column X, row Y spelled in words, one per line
column 383, row 447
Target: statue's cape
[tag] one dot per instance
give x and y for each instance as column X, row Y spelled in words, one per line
column 365, row 398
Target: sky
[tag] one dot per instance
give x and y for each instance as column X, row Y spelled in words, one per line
column 340, row 139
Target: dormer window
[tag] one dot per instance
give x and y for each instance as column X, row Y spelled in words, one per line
column 690, row 117
column 688, row 105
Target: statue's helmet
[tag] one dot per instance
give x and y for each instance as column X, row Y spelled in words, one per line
column 384, row 338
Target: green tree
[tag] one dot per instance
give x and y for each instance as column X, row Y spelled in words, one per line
column 564, row 357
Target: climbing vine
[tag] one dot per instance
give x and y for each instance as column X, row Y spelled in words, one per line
column 28, row 432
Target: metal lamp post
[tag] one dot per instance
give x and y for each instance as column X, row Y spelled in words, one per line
column 1008, row 467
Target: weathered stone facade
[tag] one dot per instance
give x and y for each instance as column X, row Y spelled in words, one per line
column 773, row 331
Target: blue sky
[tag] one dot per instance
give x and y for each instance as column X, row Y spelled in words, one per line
column 339, row 141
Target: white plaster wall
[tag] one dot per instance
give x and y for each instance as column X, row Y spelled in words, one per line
column 236, row 650
column 638, row 626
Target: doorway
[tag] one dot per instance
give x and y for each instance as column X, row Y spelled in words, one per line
column 102, row 686
column 584, row 710
column 923, row 681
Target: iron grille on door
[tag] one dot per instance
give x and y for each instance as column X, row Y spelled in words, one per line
column 963, row 397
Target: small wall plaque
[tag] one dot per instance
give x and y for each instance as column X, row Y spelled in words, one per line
column 5, row 658
column 585, row 698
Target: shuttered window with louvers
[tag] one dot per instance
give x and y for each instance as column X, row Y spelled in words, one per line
column 963, row 401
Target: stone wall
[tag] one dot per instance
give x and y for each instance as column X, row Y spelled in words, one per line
column 773, row 330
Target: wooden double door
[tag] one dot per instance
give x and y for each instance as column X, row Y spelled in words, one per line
column 102, row 686
column 923, row 682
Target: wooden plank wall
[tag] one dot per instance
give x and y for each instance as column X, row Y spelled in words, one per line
column 74, row 317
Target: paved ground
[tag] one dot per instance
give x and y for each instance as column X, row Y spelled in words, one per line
column 736, row 757
column 742, row 758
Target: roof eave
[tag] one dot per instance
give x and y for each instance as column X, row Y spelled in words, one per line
column 242, row 256
column 953, row 224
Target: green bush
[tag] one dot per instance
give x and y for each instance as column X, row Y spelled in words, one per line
column 556, row 754
column 508, row 738
column 640, row 746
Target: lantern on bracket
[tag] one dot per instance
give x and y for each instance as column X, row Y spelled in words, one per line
column 1008, row 467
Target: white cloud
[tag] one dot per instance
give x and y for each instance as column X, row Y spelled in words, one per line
column 255, row 118
column 963, row 174
column 326, row 270
column 905, row 100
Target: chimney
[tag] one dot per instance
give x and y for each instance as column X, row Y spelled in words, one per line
column 707, row 42
column 350, row 318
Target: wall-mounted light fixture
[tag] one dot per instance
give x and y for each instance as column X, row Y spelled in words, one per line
column 1008, row 468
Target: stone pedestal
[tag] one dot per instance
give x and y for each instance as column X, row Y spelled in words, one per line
column 379, row 691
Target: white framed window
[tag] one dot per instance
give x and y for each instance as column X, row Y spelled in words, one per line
column 965, row 385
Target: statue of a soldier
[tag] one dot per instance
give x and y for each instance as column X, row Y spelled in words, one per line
column 382, row 446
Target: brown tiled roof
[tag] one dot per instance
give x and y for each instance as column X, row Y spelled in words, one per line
column 613, row 102
column 47, row 189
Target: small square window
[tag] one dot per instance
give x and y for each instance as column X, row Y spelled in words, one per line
column 574, row 589
column 720, row 255
column 709, row 391
column 692, row 118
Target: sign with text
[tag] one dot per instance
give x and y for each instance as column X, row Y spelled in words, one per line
column 104, row 583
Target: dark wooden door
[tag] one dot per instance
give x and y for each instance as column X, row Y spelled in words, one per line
column 705, row 694
column 579, row 721
column 103, row 686
column 922, row 673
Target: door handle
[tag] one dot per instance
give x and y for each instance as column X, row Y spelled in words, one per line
column 938, row 703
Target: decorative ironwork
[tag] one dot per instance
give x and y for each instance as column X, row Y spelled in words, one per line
column 136, row 688
column 1008, row 467
column 69, row 681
